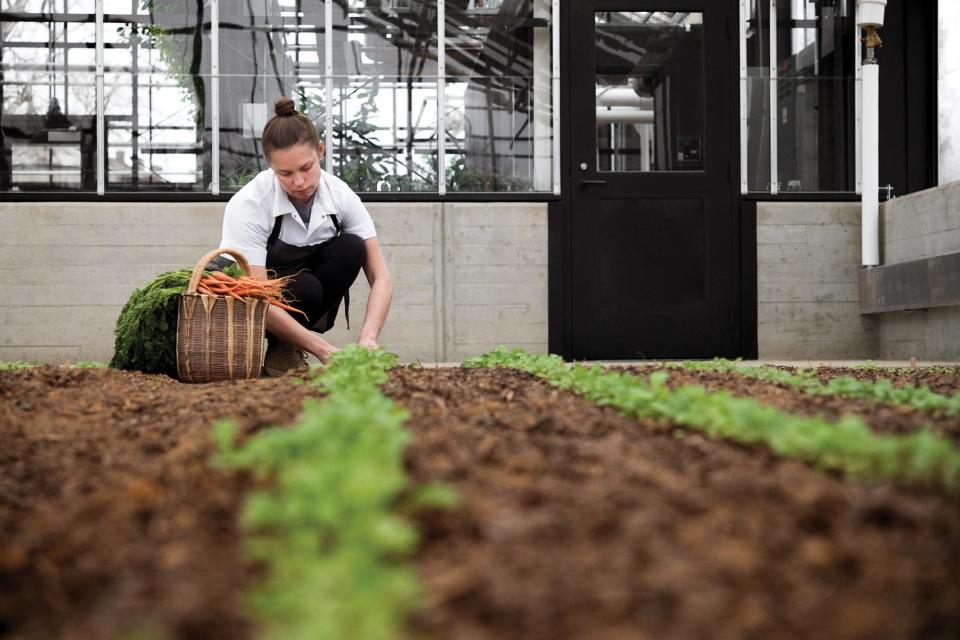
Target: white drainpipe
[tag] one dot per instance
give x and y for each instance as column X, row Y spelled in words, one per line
column 869, row 18
column 870, row 222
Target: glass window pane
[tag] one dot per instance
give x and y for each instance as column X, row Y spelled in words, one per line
column 649, row 91
column 268, row 49
column 498, row 96
column 49, row 6
column 153, row 141
column 128, row 7
column 48, row 95
column 385, row 91
column 815, row 96
column 385, row 95
column 156, row 96
column 45, row 147
column 385, row 133
column 758, row 133
column 758, row 95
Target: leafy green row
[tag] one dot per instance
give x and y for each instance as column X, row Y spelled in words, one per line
column 14, row 365
column 881, row 391
column 920, row 458
column 328, row 527
column 20, row 364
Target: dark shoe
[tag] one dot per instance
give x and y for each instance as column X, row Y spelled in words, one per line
column 282, row 358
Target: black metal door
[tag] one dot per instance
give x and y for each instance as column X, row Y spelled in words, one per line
column 654, row 257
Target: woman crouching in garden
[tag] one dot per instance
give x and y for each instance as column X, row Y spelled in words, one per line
column 300, row 221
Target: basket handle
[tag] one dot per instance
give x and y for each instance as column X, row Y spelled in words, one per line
column 205, row 260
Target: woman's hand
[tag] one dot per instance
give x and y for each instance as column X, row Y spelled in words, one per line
column 323, row 350
column 369, row 343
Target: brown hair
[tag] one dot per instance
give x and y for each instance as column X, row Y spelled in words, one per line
column 287, row 128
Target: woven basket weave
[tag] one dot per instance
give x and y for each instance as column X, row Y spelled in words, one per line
column 219, row 337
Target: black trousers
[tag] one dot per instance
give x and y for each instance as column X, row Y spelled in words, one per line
column 321, row 279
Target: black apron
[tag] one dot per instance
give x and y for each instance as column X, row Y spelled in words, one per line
column 287, row 259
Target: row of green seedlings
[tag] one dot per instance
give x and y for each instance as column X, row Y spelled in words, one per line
column 331, row 524
column 847, row 445
column 17, row 365
column 881, row 391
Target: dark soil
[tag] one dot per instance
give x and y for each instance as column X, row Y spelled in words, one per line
column 944, row 380
column 575, row 522
column 580, row 523
column 111, row 518
column 880, row 418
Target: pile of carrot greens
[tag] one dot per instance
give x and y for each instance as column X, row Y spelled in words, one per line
column 146, row 332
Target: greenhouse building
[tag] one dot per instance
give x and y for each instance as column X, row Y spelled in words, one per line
column 629, row 180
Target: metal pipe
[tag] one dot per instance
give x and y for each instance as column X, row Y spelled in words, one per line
column 774, row 122
column 869, row 18
column 215, row 96
column 858, row 112
column 441, row 99
column 101, row 146
column 328, row 85
column 646, row 131
column 631, row 115
column 870, row 224
column 742, row 30
column 555, row 61
column 622, row 97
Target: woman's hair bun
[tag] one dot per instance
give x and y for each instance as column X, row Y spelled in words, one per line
column 284, row 107
column 287, row 128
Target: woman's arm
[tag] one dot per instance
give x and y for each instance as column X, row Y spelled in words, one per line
column 381, row 292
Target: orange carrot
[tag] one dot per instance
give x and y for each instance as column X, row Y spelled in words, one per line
column 272, row 290
column 220, row 275
column 288, row 308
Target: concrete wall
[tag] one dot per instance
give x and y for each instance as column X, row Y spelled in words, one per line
column 467, row 276
column 928, row 334
column 921, row 225
column 808, row 306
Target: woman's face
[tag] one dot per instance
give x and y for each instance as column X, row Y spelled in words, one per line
column 297, row 169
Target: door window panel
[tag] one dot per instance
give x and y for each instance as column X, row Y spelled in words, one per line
column 649, row 91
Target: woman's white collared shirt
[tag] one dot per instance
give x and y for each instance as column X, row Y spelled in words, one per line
column 251, row 213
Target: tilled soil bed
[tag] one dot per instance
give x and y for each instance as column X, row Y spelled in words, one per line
column 945, row 380
column 574, row 521
column 881, row 418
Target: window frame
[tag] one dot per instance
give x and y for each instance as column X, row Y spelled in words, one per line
column 214, row 191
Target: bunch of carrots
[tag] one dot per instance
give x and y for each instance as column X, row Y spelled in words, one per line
column 218, row 283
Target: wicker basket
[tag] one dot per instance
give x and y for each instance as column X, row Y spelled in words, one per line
column 219, row 337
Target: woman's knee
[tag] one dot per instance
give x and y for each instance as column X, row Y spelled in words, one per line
column 354, row 249
column 305, row 291
column 339, row 262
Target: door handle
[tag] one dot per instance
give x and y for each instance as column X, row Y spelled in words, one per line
column 588, row 183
